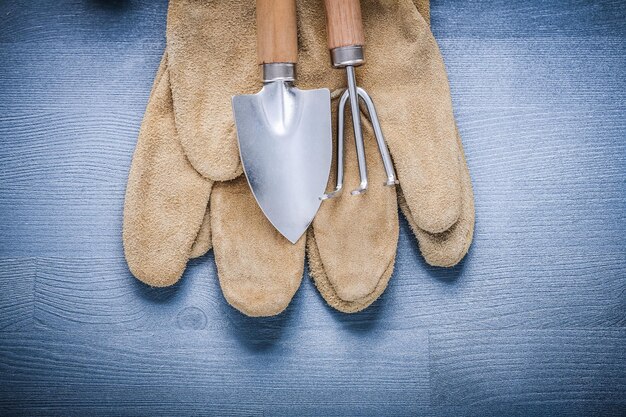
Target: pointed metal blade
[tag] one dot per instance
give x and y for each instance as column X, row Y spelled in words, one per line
column 285, row 143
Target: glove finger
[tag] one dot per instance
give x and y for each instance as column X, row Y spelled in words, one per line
column 423, row 8
column 315, row 264
column 415, row 108
column 448, row 248
column 165, row 197
column 259, row 270
column 326, row 288
column 203, row 241
column 211, row 46
column 353, row 241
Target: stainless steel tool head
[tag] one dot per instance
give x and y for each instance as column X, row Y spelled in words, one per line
column 285, row 143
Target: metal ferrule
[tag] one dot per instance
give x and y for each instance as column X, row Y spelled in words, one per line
column 279, row 71
column 347, row 56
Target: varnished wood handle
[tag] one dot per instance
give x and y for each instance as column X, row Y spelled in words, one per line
column 344, row 23
column 277, row 36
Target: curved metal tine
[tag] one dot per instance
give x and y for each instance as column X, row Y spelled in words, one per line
column 392, row 179
column 358, row 131
column 340, row 139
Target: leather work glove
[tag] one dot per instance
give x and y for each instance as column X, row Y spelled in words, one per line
column 186, row 193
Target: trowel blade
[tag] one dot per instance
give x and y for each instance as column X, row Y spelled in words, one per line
column 285, row 143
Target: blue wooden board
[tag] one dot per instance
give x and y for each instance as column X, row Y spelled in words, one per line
column 532, row 322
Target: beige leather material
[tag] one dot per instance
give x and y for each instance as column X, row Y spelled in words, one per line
column 166, row 198
column 352, row 243
column 259, row 270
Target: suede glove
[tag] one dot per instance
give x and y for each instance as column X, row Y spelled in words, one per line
column 185, row 189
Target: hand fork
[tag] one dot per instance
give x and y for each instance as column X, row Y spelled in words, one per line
column 345, row 41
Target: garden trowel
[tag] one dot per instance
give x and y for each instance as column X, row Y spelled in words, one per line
column 284, row 134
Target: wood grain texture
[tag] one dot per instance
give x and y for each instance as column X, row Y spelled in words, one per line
column 344, row 23
column 505, row 19
column 277, row 34
column 528, row 366
column 100, row 294
column 17, row 278
column 205, row 370
column 76, row 22
column 530, row 323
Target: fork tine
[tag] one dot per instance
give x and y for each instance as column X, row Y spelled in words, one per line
column 340, row 139
column 380, row 139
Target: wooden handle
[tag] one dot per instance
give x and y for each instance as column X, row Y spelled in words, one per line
column 277, row 36
column 344, row 23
